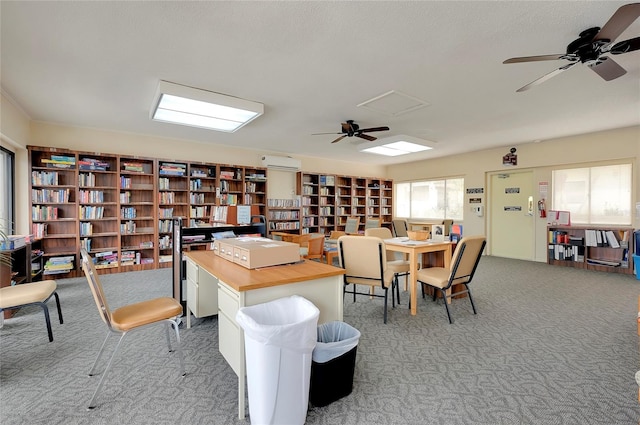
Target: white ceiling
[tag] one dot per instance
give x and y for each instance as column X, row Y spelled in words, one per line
column 97, row 64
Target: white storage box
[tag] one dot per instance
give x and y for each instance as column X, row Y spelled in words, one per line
column 254, row 252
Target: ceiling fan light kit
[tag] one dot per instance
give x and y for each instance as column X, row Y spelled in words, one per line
column 592, row 46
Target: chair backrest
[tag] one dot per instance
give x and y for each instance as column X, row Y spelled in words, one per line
column 362, row 258
column 96, row 287
column 352, row 224
column 315, row 246
column 466, row 258
column 447, row 225
column 382, row 233
column 371, row 223
column 400, row 227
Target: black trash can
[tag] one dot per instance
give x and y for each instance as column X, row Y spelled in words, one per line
column 333, row 363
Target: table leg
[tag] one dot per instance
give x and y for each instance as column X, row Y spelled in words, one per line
column 414, row 282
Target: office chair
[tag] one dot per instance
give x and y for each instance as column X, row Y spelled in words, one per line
column 365, row 263
column 35, row 293
column 399, row 267
column 128, row 318
column 463, row 266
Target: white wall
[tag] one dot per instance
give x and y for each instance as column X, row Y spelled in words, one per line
column 606, row 146
column 14, row 136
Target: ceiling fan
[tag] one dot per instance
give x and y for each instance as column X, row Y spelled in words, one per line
column 591, row 46
column 350, row 129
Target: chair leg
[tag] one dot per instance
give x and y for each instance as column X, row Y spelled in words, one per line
column 92, row 403
column 473, row 306
column 175, row 326
column 45, row 310
column 385, row 304
column 166, row 334
column 446, row 305
column 95, row 363
column 55, row 294
column 398, row 288
column 393, row 294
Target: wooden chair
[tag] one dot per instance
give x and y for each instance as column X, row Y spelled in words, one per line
column 463, row 266
column 365, row 263
column 315, row 247
column 129, row 318
column 35, row 293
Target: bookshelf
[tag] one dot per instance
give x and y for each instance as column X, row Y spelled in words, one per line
column 122, row 207
column 137, row 189
column 606, row 249
column 307, row 186
column 202, row 193
column 98, row 207
column 283, row 215
column 54, row 207
column 328, row 200
column 173, row 201
column 327, row 204
column 255, row 189
column 343, row 201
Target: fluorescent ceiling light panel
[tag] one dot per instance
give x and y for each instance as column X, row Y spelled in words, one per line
column 178, row 104
column 393, row 103
column 395, row 146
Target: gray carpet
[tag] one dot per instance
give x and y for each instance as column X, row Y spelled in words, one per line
column 550, row 345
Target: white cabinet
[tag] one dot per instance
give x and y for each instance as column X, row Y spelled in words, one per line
column 202, row 292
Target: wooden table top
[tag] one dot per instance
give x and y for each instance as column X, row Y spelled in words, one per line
column 243, row 279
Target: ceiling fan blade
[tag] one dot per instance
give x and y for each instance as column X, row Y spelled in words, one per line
column 339, row 138
column 546, row 77
column 620, row 21
column 369, row 130
column 322, row 134
column 366, row 137
column 535, row 58
column 608, row 69
column 625, row 46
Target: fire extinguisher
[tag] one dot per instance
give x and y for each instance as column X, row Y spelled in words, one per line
column 542, row 209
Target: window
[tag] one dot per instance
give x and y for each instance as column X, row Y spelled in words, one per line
column 430, row 199
column 594, row 195
column 7, row 183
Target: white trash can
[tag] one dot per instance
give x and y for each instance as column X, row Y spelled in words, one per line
column 279, row 337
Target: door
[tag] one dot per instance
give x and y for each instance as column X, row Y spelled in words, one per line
column 512, row 215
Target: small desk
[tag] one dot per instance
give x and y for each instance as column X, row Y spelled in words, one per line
column 414, row 248
column 239, row 287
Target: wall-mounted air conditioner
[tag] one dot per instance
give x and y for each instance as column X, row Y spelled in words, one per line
column 282, row 163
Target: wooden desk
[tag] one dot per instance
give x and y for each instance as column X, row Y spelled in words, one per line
column 239, row 287
column 292, row 237
column 415, row 248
